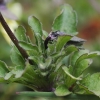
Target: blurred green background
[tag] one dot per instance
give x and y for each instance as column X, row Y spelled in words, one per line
column 88, row 13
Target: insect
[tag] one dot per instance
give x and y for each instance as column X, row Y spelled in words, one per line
column 54, row 35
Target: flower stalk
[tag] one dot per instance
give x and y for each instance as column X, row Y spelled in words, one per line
column 13, row 38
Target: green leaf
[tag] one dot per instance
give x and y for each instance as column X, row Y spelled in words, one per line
column 82, row 66
column 79, row 62
column 3, row 69
column 51, row 49
column 92, row 83
column 39, row 42
column 42, row 66
column 33, row 77
column 18, row 71
column 61, row 41
column 76, row 55
column 31, row 49
column 33, row 53
column 35, row 25
column 44, row 73
column 20, row 33
column 28, row 46
column 15, row 49
column 8, row 75
column 83, row 62
column 58, row 63
column 28, row 39
column 45, row 65
column 70, row 79
column 93, row 54
column 30, row 72
column 17, row 58
column 66, row 21
column 87, row 56
column 61, row 60
column 37, row 28
column 45, row 35
column 70, row 49
column 62, row 90
column 82, row 57
column 48, row 62
column 66, row 70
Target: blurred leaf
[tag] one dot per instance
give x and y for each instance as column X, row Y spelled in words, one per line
column 42, row 65
column 66, row 21
column 18, row 71
column 28, row 46
column 51, row 49
column 29, row 74
column 66, row 70
column 83, row 62
column 28, row 39
column 20, row 33
column 37, row 28
column 58, row 63
column 61, row 41
column 48, row 62
column 79, row 62
column 70, row 49
column 45, row 35
column 35, row 25
column 81, row 67
column 33, row 77
column 94, row 54
column 87, row 56
column 82, row 57
column 91, row 83
column 39, row 42
column 44, row 73
column 17, row 58
column 15, row 49
column 31, row 49
column 76, row 55
column 3, row 69
column 8, row 75
column 33, row 53
column 62, row 90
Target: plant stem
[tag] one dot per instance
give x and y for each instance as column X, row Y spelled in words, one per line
column 13, row 38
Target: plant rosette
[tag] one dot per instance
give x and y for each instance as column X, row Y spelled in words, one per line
column 53, row 65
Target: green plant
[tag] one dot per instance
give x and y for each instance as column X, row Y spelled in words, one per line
column 57, row 69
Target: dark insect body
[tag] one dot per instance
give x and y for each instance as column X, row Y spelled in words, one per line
column 54, row 35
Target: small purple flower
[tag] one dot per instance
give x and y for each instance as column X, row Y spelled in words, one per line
column 5, row 11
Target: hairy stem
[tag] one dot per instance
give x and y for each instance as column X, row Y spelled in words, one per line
column 13, row 38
